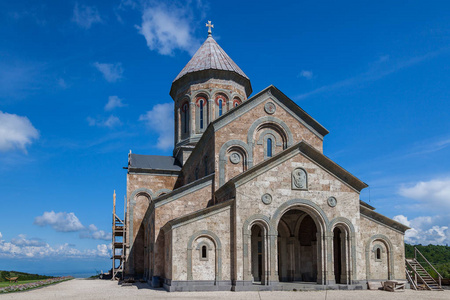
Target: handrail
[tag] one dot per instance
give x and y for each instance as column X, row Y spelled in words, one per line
column 415, row 272
column 440, row 276
column 408, row 276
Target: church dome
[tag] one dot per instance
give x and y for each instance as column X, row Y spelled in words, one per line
column 210, row 61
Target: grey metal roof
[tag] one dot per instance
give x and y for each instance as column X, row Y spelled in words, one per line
column 210, row 56
column 153, row 162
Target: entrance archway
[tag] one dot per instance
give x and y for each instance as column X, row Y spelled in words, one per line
column 300, row 251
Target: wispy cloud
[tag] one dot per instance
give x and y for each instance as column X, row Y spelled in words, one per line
column 86, row 16
column 16, row 132
column 160, row 120
column 306, row 74
column 167, row 27
column 111, row 72
column 110, row 122
column 114, row 102
column 379, row 69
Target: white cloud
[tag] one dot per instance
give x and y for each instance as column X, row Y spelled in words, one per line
column 435, row 192
column 111, row 72
column 111, row 121
column 93, row 233
column 61, row 221
column 160, row 120
column 306, row 74
column 16, row 132
column 113, row 102
column 22, row 247
column 424, row 231
column 167, row 28
column 85, row 16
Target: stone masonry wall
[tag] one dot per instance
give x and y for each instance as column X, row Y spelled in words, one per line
column 277, row 182
column 219, row 224
column 238, row 130
column 370, row 229
column 182, row 206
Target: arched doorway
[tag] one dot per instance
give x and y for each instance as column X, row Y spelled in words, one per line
column 258, row 254
column 299, row 247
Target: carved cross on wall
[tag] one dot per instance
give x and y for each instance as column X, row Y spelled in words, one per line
column 209, row 25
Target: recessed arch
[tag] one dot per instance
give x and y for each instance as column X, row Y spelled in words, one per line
column 390, row 255
column 346, row 225
column 218, row 245
column 223, row 157
column 273, row 124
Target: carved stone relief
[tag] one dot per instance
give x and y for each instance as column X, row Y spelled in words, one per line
column 266, row 199
column 235, row 158
column 299, row 179
column 332, row 201
column 270, row 108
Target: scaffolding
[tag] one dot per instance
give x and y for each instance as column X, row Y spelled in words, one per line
column 119, row 238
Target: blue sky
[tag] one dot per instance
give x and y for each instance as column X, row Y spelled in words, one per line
column 83, row 82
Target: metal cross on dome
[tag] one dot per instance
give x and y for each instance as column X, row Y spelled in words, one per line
column 209, row 25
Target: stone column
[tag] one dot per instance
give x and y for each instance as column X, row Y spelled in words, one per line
column 192, row 120
column 211, row 117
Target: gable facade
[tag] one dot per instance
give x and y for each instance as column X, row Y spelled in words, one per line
column 252, row 202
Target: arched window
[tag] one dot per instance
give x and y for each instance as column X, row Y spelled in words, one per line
column 186, row 117
column 236, row 104
column 269, row 147
column 201, row 114
column 204, row 252
column 220, row 107
column 378, row 253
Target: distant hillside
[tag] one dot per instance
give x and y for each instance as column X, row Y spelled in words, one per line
column 438, row 256
column 21, row 275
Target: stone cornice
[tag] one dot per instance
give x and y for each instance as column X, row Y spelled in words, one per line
column 383, row 220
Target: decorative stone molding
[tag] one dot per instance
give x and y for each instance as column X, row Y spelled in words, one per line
column 332, row 202
column 299, row 179
column 270, row 108
column 266, row 199
column 269, row 119
column 222, row 157
column 235, row 158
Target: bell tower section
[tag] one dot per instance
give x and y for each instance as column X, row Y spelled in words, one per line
column 209, row 86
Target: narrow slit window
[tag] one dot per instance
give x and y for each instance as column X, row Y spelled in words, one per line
column 269, row 147
column 186, row 117
column 205, row 161
column 204, row 252
column 201, row 114
column 378, row 253
column 220, row 107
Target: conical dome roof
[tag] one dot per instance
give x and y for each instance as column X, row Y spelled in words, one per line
column 211, row 61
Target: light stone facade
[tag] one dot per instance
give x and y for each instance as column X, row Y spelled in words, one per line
column 250, row 200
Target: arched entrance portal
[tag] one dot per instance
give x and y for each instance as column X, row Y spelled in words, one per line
column 299, row 247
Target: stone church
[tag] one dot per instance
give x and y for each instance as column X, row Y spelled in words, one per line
column 248, row 201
